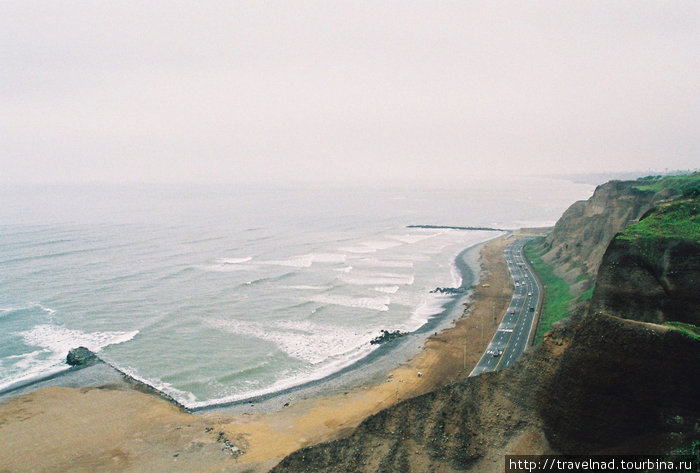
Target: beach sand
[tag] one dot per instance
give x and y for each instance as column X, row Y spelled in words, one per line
column 117, row 428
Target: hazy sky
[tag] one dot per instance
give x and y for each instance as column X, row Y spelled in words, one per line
column 374, row 90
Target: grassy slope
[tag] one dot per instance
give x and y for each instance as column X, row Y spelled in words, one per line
column 689, row 330
column 687, row 185
column 556, row 290
column 678, row 219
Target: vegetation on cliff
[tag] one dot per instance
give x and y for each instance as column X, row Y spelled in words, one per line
column 689, row 330
column 678, row 219
column 556, row 290
column 641, row 215
column 576, row 245
column 686, row 185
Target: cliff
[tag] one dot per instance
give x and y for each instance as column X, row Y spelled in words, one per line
column 599, row 385
column 576, row 245
column 609, row 379
column 651, row 271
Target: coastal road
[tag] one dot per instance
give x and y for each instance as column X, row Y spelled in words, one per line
column 513, row 334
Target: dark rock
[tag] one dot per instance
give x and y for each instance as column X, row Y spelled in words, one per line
column 81, row 356
column 387, row 336
column 657, row 282
column 447, row 290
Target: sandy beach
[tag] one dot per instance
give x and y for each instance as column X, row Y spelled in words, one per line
column 117, row 428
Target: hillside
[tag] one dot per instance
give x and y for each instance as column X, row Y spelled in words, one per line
column 600, row 385
column 620, row 375
column 651, row 271
column 576, row 245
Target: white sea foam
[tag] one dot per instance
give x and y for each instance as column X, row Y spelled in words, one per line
column 381, row 244
column 358, row 249
column 223, row 268
column 234, row 260
column 303, row 340
column 48, row 310
column 300, row 261
column 332, row 365
column 380, row 304
column 378, row 279
column 332, row 258
column 432, row 305
column 375, row 263
column 456, row 277
column 32, row 371
column 55, row 342
column 60, row 339
column 31, row 305
column 185, row 398
column 416, row 237
column 387, row 289
column 302, row 287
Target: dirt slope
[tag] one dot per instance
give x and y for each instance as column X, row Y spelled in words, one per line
column 580, row 237
column 599, row 384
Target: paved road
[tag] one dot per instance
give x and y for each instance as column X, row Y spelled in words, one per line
column 512, row 336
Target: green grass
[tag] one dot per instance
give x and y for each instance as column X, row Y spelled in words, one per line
column 689, row 330
column 586, row 295
column 687, row 185
column 692, row 448
column 679, row 219
column 556, row 291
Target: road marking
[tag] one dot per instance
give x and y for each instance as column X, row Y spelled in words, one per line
column 511, row 335
column 517, row 269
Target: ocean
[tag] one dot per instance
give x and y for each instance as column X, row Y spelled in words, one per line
column 214, row 294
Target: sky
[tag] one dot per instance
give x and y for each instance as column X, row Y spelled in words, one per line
column 229, row 91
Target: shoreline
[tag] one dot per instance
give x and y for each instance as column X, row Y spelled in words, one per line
column 158, row 436
column 378, row 362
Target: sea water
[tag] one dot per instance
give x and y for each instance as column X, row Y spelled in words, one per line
column 220, row 293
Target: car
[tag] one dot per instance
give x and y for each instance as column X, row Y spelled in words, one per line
column 532, row 309
column 529, row 293
column 497, row 353
column 512, row 311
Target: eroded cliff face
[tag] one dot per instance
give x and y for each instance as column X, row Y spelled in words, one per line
column 578, row 241
column 596, row 384
column 620, row 386
column 657, row 281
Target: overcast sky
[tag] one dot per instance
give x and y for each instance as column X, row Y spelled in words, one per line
column 337, row 90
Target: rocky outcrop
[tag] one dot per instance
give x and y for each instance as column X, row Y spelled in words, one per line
column 387, row 336
column 620, row 386
column 81, row 356
column 657, row 281
column 578, row 241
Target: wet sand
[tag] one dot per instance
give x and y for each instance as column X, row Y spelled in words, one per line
column 117, row 428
